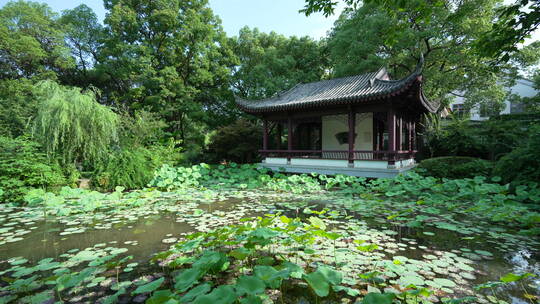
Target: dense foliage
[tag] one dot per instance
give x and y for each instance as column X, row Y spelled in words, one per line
column 73, row 125
column 444, row 34
column 23, row 167
column 238, row 142
column 455, row 167
column 521, row 165
column 127, row 168
column 270, row 63
column 515, row 21
column 491, row 139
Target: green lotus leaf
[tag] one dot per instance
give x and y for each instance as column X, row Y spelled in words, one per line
column 112, row 299
column 223, row 294
column 249, row 285
column 378, row 298
column 162, row 296
column 211, row 261
column 317, row 222
column 411, row 280
column 268, row 274
column 149, row 287
column 332, row 276
column 318, row 282
column 195, row 292
column 511, row 277
column 240, row 253
column 187, row 278
column 293, row 269
column 459, row 300
column 349, row 291
column 444, row 282
column 251, row 299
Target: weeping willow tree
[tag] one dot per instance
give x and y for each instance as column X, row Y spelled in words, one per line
column 71, row 124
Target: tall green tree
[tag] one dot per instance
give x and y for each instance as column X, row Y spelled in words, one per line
column 73, row 125
column 84, row 35
column 270, row 63
column 32, row 48
column 167, row 57
column 31, row 42
column 372, row 36
column 515, row 21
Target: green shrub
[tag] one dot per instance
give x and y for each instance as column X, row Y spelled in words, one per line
column 23, row 167
column 134, row 168
column 523, row 163
column 455, row 167
column 128, row 168
column 489, row 139
column 237, row 143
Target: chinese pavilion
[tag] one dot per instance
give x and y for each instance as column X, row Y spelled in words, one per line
column 364, row 125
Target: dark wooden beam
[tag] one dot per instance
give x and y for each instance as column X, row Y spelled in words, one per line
column 283, row 116
column 265, row 134
column 409, row 129
column 279, row 135
column 289, row 137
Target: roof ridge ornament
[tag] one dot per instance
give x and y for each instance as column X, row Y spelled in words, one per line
column 378, row 75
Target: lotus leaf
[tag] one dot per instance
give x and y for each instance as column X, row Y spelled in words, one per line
column 187, row 278
column 196, row 292
column 378, row 298
column 249, row 285
column 318, row 282
column 223, row 294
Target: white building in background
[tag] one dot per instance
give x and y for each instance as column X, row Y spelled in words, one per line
column 522, row 88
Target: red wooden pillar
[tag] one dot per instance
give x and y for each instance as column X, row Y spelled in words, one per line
column 265, row 135
column 391, row 119
column 289, row 138
column 352, row 124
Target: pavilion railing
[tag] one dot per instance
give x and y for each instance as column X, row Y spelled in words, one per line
column 339, row 154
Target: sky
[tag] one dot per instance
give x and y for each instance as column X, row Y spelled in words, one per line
column 281, row 16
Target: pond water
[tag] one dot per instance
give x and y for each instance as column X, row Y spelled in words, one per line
column 447, row 260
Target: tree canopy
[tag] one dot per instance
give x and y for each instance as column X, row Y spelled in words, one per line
column 31, row 42
column 373, row 36
column 515, row 21
column 270, row 63
column 164, row 56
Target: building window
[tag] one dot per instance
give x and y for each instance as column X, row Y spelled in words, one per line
column 459, row 109
column 487, row 110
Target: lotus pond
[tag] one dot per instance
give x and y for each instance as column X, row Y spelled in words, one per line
column 239, row 234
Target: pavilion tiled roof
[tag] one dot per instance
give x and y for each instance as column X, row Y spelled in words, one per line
column 340, row 91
